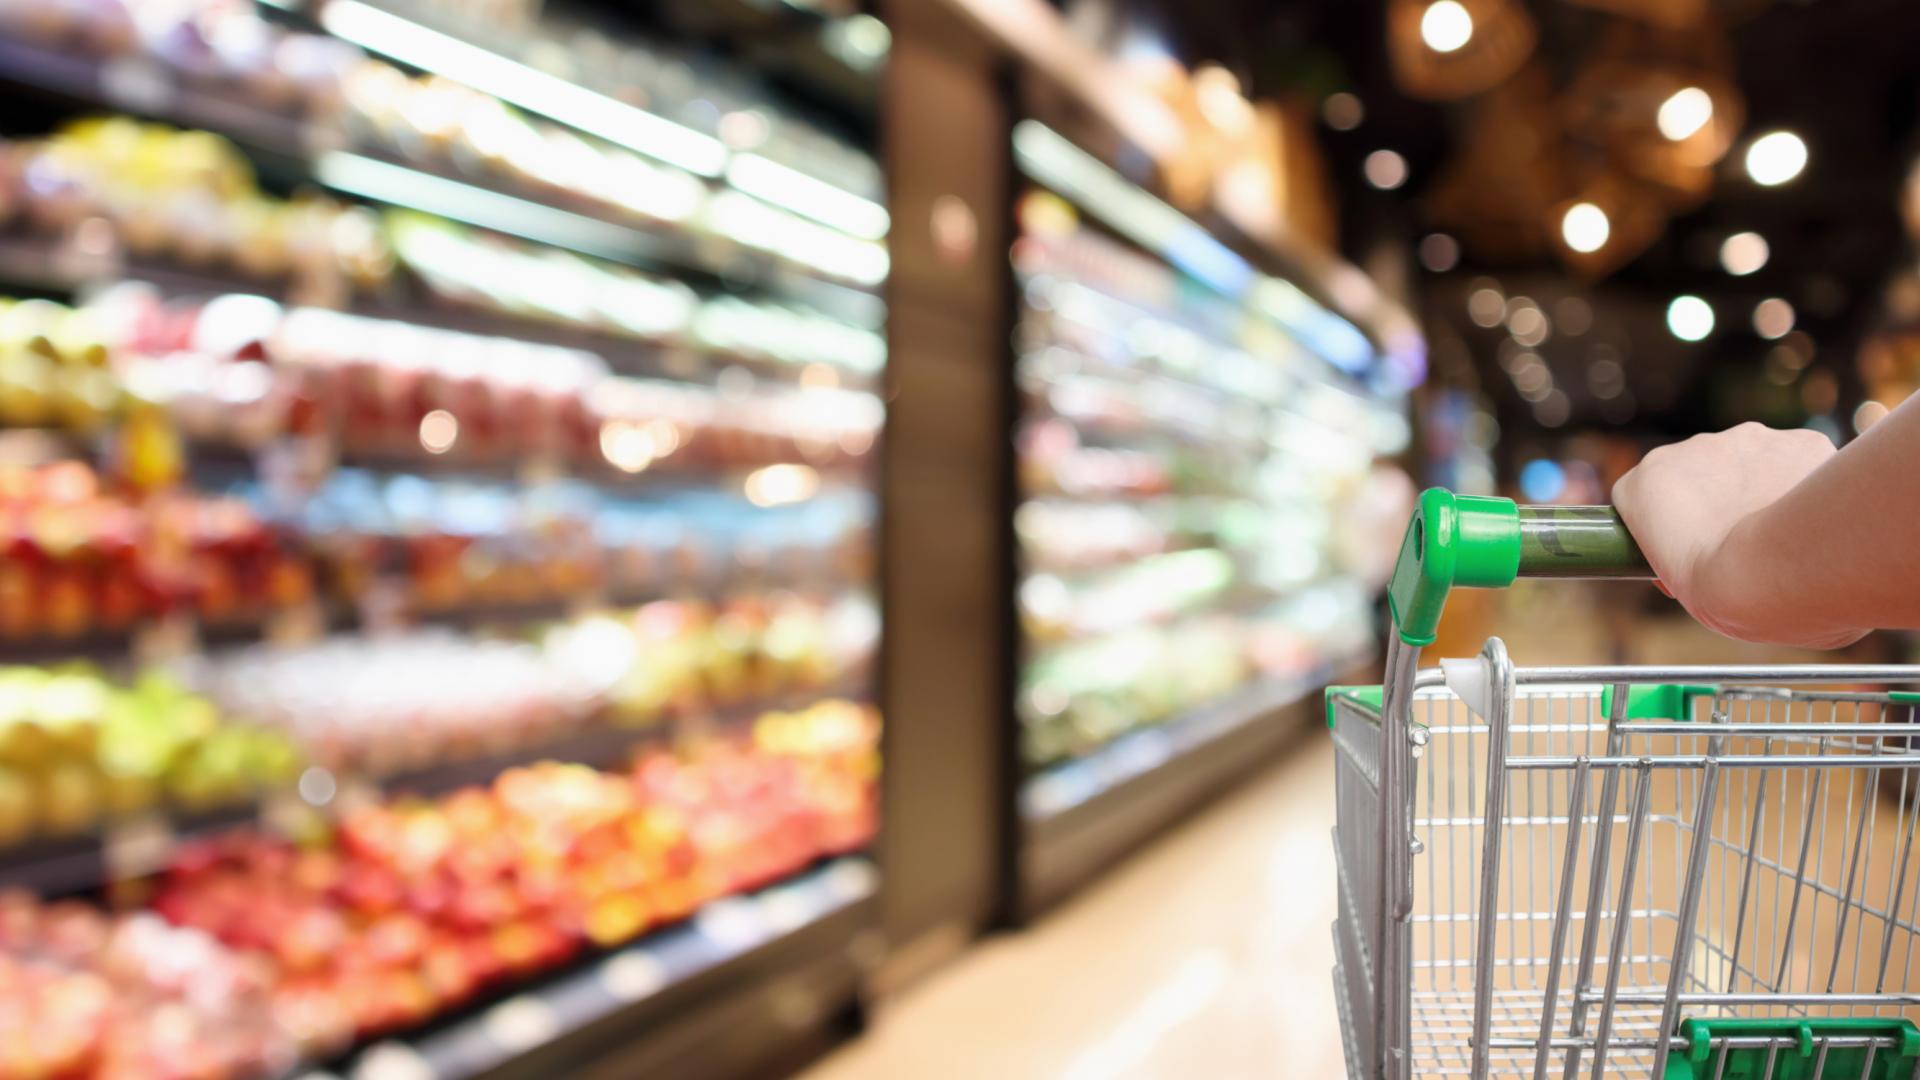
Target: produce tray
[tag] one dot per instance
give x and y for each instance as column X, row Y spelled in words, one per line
column 144, row 843
column 727, row 993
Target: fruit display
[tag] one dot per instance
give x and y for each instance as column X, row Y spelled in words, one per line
column 679, row 657
column 257, row 951
column 77, row 749
column 1181, row 458
column 82, row 556
column 85, row 993
column 54, row 368
column 374, row 706
column 342, row 499
column 191, row 197
column 410, row 908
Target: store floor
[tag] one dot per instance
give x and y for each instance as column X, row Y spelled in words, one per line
column 1209, row 954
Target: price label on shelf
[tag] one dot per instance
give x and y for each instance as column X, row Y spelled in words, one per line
column 393, row 1061
column 383, row 606
column 734, row 923
column 172, row 638
column 681, row 363
column 137, row 847
column 522, row 1023
column 632, row 975
column 302, row 624
column 137, row 84
column 319, row 139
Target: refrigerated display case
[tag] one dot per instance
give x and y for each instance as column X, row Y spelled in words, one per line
column 1190, row 433
column 438, row 619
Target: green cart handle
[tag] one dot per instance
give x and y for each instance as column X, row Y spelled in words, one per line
column 1478, row 542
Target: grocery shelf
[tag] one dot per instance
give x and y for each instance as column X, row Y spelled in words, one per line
column 130, row 847
column 1078, row 817
column 726, row 993
column 607, row 744
column 40, row 264
column 144, row 88
column 143, row 843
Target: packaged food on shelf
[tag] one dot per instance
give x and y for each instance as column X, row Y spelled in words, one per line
column 451, row 127
column 191, row 197
column 78, row 749
column 1182, row 455
column 220, row 47
column 244, row 371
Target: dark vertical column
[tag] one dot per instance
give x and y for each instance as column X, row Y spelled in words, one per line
column 945, row 533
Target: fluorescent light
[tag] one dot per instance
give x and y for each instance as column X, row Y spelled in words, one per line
column 1446, row 26
column 808, row 197
column 1585, row 227
column 1690, row 318
column 531, row 89
column 1743, row 253
column 1776, row 158
column 401, row 186
column 1686, row 112
column 1049, row 158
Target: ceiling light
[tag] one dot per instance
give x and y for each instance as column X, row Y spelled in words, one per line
column 1743, row 253
column 1772, row 318
column 529, row 88
column 1776, row 158
column 1487, row 307
column 1690, row 318
column 1686, row 112
column 1446, row 26
column 1439, row 252
column 1385, row 169
column 1585, row 227
column 1342, row 111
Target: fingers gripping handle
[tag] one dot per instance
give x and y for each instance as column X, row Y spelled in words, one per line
column 1485, row 543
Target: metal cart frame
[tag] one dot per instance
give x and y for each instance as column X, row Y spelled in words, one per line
column 1732, row 896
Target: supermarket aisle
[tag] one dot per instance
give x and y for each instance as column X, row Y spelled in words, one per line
column 1207, row 955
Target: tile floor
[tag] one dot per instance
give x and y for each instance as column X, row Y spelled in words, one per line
column 1207, row 955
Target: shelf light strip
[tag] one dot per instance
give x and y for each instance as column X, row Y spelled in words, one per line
column 796, row 191
column 531, row 89
column 1051, row 159
column 398, row 185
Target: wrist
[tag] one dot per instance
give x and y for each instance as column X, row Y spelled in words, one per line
column 1724, row 579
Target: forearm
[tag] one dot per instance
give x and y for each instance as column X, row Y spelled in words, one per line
column 1840, row 550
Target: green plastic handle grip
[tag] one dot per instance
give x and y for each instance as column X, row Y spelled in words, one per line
column 1480, row 542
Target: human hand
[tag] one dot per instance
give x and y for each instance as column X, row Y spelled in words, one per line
column 1693, row 507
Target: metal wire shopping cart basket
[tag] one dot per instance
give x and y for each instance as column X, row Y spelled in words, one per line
column 1670, row 872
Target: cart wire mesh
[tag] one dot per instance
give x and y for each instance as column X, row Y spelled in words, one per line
column 1612, row 851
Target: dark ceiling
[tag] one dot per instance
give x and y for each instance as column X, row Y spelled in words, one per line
column 1840, row 73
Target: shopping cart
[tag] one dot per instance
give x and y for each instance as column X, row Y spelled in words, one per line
column 1670, row 872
